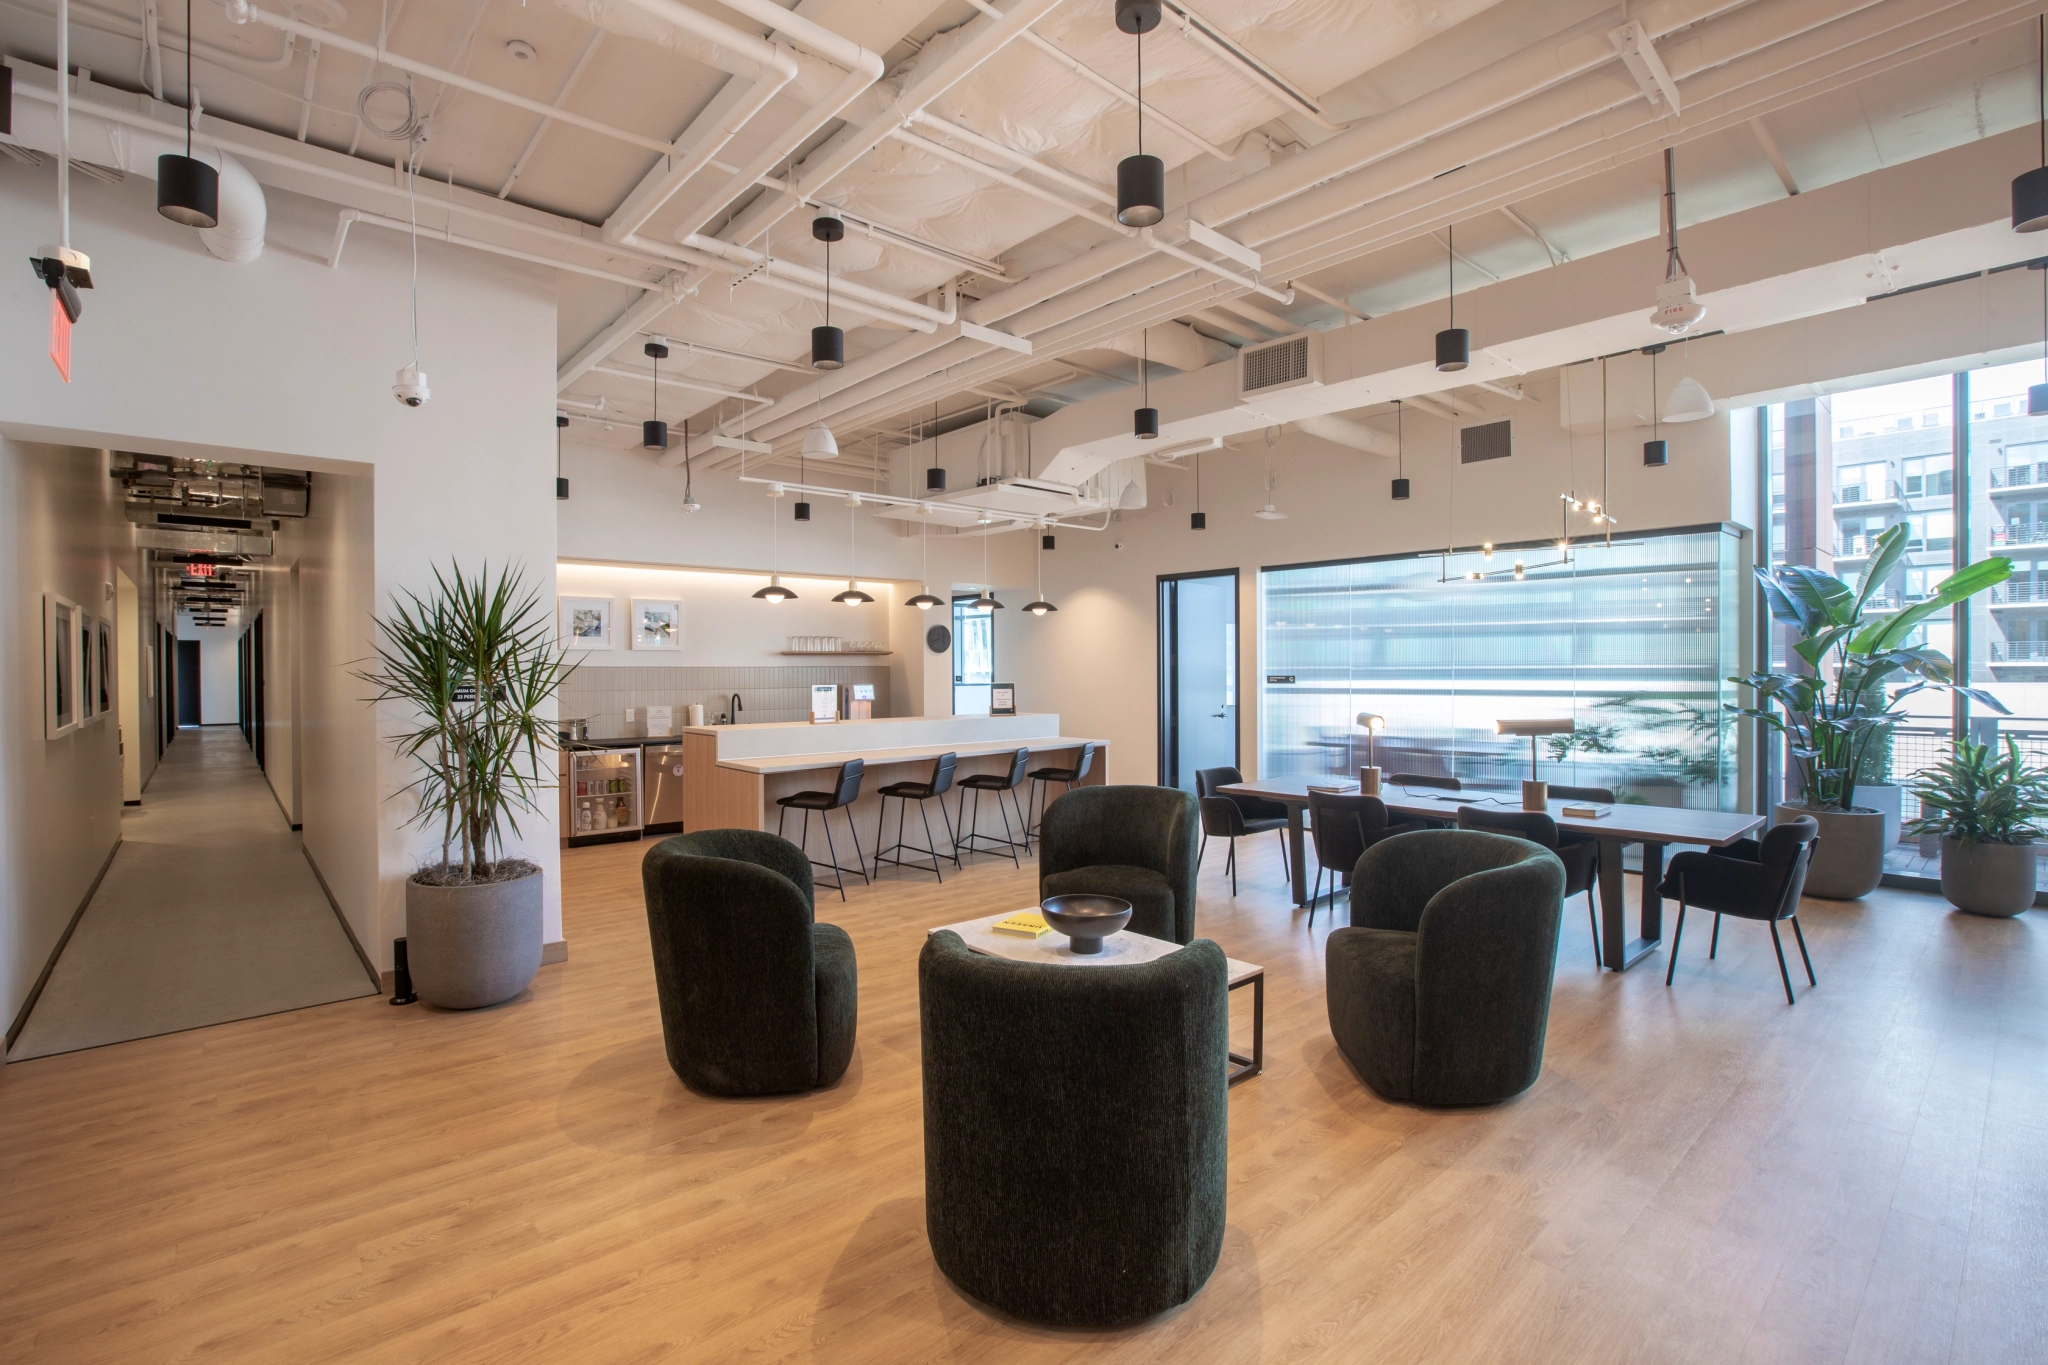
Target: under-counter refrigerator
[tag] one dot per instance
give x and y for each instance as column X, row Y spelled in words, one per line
column 663, row 765
column 604, row 795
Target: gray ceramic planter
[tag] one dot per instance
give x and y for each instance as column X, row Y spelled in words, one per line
column 471, row 946
column 1987, row 879
column 1849, row 861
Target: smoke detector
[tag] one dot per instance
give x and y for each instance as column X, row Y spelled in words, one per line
column 519, row 50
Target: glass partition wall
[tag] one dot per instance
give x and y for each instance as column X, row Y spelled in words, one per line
column 1633, row 642
column 1957, row 459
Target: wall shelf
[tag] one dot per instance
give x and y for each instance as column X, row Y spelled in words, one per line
column 839, row 653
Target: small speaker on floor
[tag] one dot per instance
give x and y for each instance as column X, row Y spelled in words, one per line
column 401, row 975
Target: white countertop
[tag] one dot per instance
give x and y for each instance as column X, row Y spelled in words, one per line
column 848, row 738
column 789, row 763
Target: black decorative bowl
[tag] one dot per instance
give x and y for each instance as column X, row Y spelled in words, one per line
column 1086, row 920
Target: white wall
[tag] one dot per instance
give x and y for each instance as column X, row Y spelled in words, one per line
column 724, row 626
column 61, row 532
column 219, row 686
column 287, row 362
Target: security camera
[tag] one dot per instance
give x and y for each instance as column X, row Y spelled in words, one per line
column 411, row 388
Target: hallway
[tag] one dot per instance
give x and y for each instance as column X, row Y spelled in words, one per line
column 209, row 912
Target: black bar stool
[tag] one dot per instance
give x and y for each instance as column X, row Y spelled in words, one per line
column 968, row 831
column 841, row 796
column 1069, row 776
column 941, row 782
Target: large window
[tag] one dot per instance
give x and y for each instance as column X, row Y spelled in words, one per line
column 974, row 657
column 1633, row 642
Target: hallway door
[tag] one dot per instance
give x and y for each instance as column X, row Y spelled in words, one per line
column 1197, row 675
column 188, row 683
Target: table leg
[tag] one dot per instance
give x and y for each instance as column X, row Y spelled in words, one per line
column 1297, row 860
column 1618, row 952
column 1244, row 1068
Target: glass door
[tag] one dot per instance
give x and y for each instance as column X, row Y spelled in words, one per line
column 1197, row 675
column 974, row 657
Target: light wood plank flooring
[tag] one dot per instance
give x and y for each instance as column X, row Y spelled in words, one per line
column 1702, row 1174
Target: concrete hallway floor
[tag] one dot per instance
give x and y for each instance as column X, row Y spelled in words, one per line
column 209, row 912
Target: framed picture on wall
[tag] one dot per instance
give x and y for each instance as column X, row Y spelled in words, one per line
column 88, row 668
column 657, row 624
column 586, row 622
column 104, row 652
column 60, row 665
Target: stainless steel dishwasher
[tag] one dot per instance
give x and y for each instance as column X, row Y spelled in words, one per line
column 664, row 769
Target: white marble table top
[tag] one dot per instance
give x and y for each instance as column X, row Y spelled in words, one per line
column 1120, row 949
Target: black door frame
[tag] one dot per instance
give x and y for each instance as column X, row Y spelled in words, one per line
column 1167, row 687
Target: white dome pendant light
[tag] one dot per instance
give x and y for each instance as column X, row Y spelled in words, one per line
column 1689, row 401
column 1140, row 179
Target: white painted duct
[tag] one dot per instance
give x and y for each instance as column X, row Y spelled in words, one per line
column 1345, row 432
column 1174, row 345
column 238, row 237
column 679, row 28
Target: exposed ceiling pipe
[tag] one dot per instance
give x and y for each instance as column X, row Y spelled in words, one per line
column 708, row 135
column 791, row 270
column 790, row 278
column 540, row 130
column 1138, row 278
column 679, row 382
column 473, row 243
column 1025, row 160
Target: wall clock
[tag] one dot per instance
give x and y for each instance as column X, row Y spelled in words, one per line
column 938, row 639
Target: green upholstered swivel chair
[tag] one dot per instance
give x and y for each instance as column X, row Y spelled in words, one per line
column 1138, row 843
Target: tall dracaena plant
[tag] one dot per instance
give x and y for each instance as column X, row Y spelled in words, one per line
column 475, row 660
column 1831, row 715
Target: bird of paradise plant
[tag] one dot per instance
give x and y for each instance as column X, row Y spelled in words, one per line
column 1831, row 715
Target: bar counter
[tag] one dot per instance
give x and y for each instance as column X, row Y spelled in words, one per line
column 734, row 774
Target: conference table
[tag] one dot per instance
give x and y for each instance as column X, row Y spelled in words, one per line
column 1654, row 827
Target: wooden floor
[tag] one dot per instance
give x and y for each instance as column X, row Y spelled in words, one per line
column 1701, row 1174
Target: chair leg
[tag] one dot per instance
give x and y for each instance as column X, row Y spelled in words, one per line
column 1008, row 837
column 1023, row 825
column 1232, row 863
column 929, row 842
column 1593, row 923
column 1778, row 943
column 781, row 814
column 1315, row 896
column 1797, row 933
column 1676, row 934
column 860, row 859
column 951, row 838
column 1286, row 873
column 1714, row 944
column 837, row 871
column 1202, row 852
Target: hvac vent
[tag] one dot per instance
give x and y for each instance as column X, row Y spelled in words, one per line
column 1489, row 442
column 1291, row 362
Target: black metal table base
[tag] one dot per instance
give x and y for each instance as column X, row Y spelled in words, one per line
column 1243, row 1068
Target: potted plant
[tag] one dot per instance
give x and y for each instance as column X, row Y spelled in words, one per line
column 1988, row 809
column 1832, row 714
column 475, row 661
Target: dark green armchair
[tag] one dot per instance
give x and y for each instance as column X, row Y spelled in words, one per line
column 756, row 997
column 1076, row 1129
column 1137, row 843
column 1439, row 992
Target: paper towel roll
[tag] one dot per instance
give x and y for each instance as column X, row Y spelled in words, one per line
column 696, row 713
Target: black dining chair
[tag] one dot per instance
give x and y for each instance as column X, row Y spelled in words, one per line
column 1750, row 879
column 843, row 794
column 1228, row 817
column 1043, row 778
column 1343, row 828
column 1449, row 784
column 1598, row 795
column 934, row 788
column 969, row 828
column 1580, row 855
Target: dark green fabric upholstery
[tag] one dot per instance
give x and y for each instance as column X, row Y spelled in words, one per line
column 1076, row 1123
column 1103, row 839
column 1440, row 991
column 756, row 998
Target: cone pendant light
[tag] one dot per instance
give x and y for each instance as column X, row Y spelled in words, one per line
column 188, row 191
column 1140, row 179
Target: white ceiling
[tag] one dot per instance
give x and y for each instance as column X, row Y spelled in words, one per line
column 1863, row 86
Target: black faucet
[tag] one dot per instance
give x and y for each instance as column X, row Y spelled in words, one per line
column 736, row 708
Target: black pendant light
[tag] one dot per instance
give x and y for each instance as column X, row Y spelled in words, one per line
column 188, row 191
column 1400, row 457
column 654, row 431
column 935, row 477
column 1038, row 606
column 2037, row 394
column 561, row 484
column 1656, row 451
column 1140, row 179
column 924, row 601
column 1145, row 421
column 1454, row 343
column 774, row 592
column 853, row 596
column 828, row 343
column 1198, row 520
column 2030, row 191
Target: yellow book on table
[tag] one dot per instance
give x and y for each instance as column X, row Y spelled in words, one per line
column 1024, row 924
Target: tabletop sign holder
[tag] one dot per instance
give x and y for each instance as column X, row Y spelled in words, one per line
column 824, row 703
column 1002, row 699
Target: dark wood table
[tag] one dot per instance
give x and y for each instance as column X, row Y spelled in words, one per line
column 1653, row 827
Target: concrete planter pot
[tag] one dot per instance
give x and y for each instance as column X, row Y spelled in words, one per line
column 1849, row 861
column 1987, row 879
column 472, row 946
